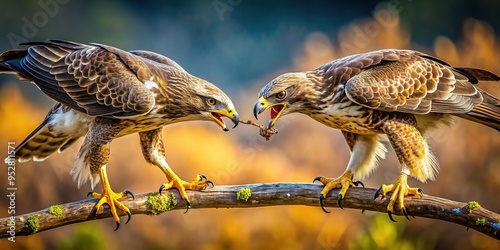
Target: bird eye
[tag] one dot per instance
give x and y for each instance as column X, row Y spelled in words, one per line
column 281, row 95
column 211, row 101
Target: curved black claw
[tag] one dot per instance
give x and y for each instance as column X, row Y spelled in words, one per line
column 203, row 177
column 421, row 191
column 378, row 193
column 356, row 183
column 321, row 198
column 188, row 205
column 406, row 214
column 161, row 188
column 93, row 212
column 129, row 193
column 89, row 194
column 363, row 211
column 339, row 198
column 129, row 216
column 318, row 178
column 209, row 183
column 117, row 225
column 390, row 216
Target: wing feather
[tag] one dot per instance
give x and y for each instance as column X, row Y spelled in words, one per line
column 157, row 58
column 406, row 81
column 96, row 79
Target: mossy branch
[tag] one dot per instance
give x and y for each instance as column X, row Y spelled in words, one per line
column 470, row 215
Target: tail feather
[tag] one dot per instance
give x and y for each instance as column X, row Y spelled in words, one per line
column 486, row 113
column 41, row 144
column 60, row 129
column 62, row 125
column 476, row 75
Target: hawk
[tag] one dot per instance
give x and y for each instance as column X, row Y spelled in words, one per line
column 104, row 93
column 399, row 95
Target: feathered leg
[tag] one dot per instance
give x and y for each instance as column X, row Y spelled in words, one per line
column 365, row 152
column 415, row 159
column 92, row 160
column 154, row 152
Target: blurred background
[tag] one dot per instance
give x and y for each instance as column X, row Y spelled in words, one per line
column 240, row 45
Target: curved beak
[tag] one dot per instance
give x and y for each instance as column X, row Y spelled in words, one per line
column 276, row 110
column 231, row 113
column 259, row 107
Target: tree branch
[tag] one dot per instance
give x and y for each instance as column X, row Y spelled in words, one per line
column 269, row 194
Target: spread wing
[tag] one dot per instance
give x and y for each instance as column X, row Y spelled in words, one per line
column 95, row 79
column 408, row 81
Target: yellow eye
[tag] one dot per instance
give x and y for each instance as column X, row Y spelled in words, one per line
column 211, row 101
column 281, row 95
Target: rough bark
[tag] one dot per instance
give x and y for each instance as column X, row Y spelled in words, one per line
column 269, row 194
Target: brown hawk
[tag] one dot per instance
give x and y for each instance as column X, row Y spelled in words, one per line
column 104, row 93
column 396, row 94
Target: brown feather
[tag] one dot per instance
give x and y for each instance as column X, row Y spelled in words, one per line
column 48, row 137
column 403, row 94
column 410, row 83
column 95, row 79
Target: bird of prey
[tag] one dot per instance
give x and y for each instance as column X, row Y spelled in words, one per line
column 399, row 95
column 104, row 93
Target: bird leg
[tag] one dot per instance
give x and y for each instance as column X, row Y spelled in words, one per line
column 399, row 190
column 107, row 196
column 343, row 182
column 154, row 153
column 415, row 159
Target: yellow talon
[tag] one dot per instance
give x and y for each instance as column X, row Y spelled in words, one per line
column 200, row 182
column 108, row 196
column 343, row 182
column 400, row 190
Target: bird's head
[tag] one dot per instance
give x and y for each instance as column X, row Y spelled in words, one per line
column 286, row 94
column 198, row 99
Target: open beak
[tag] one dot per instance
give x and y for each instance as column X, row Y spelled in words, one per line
column 276, row 110
column 231, row 113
